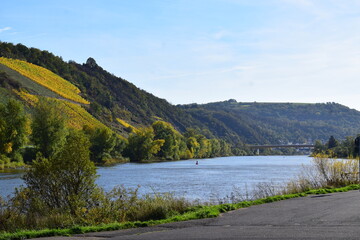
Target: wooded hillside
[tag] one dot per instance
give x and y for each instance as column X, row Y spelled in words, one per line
column 123, row 107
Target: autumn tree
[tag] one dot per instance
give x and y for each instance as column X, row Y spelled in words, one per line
column 142, row 146
column 172, row 149
column 193, row 147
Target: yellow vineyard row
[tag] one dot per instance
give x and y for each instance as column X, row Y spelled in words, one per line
column 127, row 125
column 45, row 78
column 77, row 115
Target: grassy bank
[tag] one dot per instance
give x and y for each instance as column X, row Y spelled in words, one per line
column 197, row 212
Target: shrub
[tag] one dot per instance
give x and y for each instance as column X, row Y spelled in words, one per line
column 64, row 181
column 325, row 172
column 158, row 206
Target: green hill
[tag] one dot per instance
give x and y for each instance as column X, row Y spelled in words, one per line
column 110, row 97
column 280, row 122
column 123, row 107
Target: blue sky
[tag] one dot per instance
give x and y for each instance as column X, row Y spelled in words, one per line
column 204, row 50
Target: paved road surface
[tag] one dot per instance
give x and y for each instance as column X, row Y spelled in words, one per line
column 330, row 216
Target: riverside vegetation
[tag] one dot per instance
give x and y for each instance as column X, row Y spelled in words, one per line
column 71, row 203
column 48, row 131
column 337, row 149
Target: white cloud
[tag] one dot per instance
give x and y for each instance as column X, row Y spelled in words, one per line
column 5, row 29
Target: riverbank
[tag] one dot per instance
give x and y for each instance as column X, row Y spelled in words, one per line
column 197, row 212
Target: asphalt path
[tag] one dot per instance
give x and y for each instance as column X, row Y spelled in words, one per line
column 328, row 216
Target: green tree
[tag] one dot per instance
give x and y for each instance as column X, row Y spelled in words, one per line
column 332, row 143
column 205, row 146
column 66, row 180
column 13, row 128
column 319, row 148
column 49, row 129
column 215, row 148
column 356, row 146
column 190, row 132
column 172, row 148
column 103, row 142
column 198, row 145
column 142, row 146
column 225, row 148
column 120, row 145
column 346, row 148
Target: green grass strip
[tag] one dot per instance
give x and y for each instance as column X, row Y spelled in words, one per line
column 197, row 212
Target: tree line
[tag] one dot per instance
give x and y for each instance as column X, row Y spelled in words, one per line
column 162, row 142
column 337, row 148
column 46, row 135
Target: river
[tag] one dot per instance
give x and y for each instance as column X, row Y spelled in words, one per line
column 209, row 180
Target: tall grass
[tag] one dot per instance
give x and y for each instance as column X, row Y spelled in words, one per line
column 119, row 205
column 325, row 173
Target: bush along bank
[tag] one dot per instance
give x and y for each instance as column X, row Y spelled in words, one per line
column 197, row 212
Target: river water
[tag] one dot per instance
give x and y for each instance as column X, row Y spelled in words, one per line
column 210, row 179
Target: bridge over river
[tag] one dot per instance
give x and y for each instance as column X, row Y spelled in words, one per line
column 281, row 146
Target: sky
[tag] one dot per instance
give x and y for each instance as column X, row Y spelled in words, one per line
column 199, row 51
